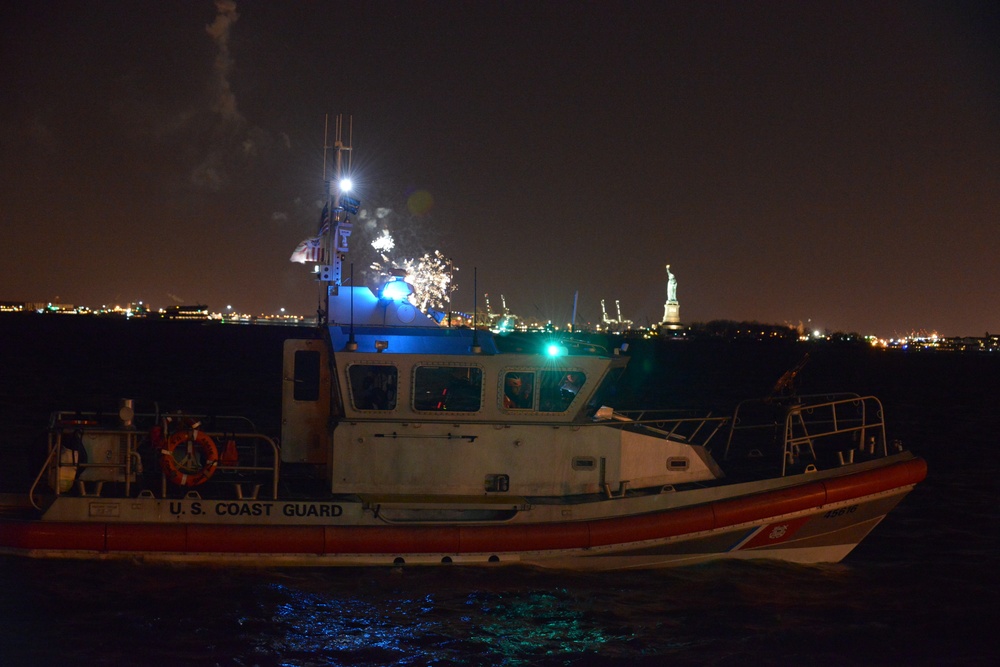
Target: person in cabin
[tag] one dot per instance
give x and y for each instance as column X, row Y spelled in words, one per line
column 374, row 396
column 517, row 394
column 570, row 386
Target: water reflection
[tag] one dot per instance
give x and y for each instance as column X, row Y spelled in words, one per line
column 346, row 627
column 380, row 626
column 521, row 627
column 885, row 605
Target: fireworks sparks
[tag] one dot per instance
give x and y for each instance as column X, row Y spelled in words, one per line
column 431, row 275
column 384, row 243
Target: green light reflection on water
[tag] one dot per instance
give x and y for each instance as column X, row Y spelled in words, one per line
column 509, row 627
column 526, row 625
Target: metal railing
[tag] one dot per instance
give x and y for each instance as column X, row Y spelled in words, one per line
column 671, row 424
column 63, row 467
column 814, row 427
column 66, row 470
column 254, row 467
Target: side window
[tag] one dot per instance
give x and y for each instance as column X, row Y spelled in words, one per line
column 373, row 387
column 558, row 389
column 451, row 388
column 306, row 376
column 519, row 390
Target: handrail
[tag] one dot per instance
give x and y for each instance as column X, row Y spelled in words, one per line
column 808, row 420
column 668, row 427
column 793, row 443
column 130, row 459
column 38, row 477
column 151, row 417
column 275, row 469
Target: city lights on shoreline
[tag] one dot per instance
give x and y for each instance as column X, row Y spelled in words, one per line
column 510, row 324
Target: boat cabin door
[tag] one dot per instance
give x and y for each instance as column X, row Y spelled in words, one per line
column 305, row 401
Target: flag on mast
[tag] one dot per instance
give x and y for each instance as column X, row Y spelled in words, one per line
column 324, row 220
column 311, row 249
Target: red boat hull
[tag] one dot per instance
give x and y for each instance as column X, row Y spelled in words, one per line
column 821, row 513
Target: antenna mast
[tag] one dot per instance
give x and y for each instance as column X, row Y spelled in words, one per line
column 339, row 207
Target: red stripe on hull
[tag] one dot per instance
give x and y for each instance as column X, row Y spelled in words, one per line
column 875, row 481
column 53, row 535
column 147, row 537
column 255, row 539
column 772, row 503
column 392, row 539
column 652, row 526
column 537, row 537
column 452, row 539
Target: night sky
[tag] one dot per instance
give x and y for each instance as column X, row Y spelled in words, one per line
column 834, row 164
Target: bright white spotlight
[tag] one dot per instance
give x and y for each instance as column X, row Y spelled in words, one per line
column 346, row 185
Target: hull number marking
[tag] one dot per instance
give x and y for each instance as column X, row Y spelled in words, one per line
column 832, row 514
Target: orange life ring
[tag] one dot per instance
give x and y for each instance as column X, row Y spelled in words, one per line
column 188, row 471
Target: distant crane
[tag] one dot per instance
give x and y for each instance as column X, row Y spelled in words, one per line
column 500, row 321
column 617, row 325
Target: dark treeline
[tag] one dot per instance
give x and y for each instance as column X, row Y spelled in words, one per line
column 731, row 329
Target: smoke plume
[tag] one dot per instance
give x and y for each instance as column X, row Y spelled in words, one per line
column 224, row 101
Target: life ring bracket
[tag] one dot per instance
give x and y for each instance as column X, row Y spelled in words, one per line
column 190, row 469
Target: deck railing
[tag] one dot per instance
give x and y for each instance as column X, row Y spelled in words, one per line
column 65, row 470
column 811, row 430
column 676, row 425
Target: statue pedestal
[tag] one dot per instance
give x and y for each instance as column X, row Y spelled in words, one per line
column 671, row 315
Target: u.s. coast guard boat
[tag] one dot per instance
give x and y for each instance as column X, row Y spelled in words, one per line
column 407, row 442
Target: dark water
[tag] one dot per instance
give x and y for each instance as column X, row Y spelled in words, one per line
column 920, row 590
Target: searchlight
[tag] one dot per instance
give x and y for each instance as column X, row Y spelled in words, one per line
column 396, row 289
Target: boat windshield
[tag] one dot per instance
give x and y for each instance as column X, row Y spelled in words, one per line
column 606, row 392
column 559, row 388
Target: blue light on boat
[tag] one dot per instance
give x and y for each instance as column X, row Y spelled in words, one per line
column 396, row 289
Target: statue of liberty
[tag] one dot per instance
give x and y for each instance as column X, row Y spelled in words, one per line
column 671, row 309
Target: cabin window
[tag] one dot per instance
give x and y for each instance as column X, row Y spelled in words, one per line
column 447, row 388
column 306, row 375
column 373, row 387
column 558, row 389
column 606, row 393
column 519, row 390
